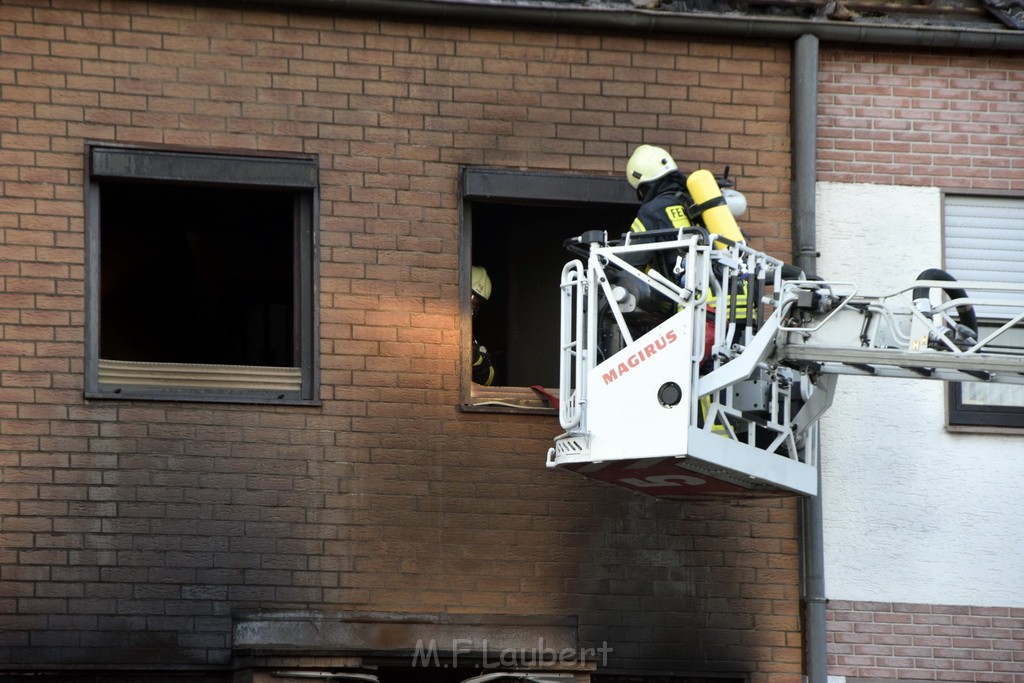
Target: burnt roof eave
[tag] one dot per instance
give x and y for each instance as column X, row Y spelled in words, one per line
column 654, row 21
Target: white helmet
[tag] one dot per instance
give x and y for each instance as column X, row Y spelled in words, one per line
column 648, row 163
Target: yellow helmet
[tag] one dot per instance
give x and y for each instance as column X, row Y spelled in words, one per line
column 481, row 282
column 648, row 163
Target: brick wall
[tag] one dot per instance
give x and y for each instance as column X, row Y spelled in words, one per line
column 884, row 640
column 941, row 120
column 130, row 531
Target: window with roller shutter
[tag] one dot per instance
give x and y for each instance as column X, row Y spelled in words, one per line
column 984, row 241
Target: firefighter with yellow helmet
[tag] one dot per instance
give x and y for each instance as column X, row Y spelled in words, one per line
column 483, row 366
column 669, row 201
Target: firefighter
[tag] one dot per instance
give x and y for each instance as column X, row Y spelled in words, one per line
column 666, row 203
column 661, row 189
column 483, row 366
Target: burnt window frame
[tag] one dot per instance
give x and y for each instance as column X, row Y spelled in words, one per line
column 182, row 167
column 478, row 184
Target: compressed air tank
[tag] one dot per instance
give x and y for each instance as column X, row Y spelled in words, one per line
column 717, row 217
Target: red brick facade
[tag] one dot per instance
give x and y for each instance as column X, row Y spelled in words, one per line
column 941, row 120
column 926, row 642
column 129, row 532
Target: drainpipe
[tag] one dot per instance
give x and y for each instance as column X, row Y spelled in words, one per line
column 804, row 135
column 812, row 542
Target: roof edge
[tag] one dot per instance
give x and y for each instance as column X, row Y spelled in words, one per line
column 652, row 21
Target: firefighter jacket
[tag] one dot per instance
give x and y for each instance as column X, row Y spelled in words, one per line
column 664, row 207
column 483, row 367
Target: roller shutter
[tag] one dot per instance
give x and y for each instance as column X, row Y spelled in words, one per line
column 984, row 238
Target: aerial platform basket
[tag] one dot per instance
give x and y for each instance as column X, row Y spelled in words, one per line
column 695, row 367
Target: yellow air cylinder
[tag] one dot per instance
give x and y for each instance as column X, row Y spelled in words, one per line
column 717, row 219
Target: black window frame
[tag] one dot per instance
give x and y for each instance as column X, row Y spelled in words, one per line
column 187, row 167
column 533, row 188
column 982, row 417
column 975, row 417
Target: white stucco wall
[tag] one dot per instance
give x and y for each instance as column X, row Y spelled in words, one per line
column 912, row 512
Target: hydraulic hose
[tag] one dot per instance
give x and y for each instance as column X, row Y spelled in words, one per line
column 965, row 312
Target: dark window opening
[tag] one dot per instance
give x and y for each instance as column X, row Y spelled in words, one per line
column 201, row 271
column 197, row 274
column 515, row 224
column 521, row 246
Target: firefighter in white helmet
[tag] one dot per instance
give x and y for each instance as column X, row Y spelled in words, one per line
column 483, row 367
column 661, row 189
column 665, row 203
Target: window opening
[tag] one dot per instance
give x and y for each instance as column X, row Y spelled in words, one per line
column 515, row 224
column 521, row 247
column 196, row 275
column 201, row 276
